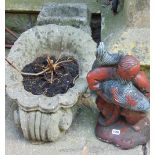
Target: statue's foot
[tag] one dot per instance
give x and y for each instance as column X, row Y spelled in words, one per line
column 122, row 134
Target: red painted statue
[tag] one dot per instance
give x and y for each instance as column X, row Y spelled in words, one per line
column 122, row 99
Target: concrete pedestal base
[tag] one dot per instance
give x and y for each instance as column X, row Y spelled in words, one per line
column 39, row 126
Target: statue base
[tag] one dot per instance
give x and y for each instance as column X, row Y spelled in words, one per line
column 123, row 134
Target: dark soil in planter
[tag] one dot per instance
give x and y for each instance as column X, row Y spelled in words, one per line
column 63, row 77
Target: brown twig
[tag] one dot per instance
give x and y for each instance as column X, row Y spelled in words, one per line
column 10, row 31
column 51, row 77
column 35, row 74
column 58, row 58
column 63, row 62
column 24, row 73
column 8, row 46
column 11, row 64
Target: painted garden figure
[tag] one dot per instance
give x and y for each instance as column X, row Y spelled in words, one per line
column 122, row 98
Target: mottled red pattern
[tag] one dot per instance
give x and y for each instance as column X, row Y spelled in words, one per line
column 127, row 69
column 130, row 100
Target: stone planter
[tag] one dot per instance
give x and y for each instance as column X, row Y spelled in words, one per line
column 44, row 118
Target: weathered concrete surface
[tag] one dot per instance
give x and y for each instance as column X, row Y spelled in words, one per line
column 73, row 14
column 36, row 5
column 7, row 52
column 133, row 13
column 134, row 41
column 79, row 136
column 137, row 13
column 128, row 31
column 111, row 23
column 64, row 12
column 39, row 126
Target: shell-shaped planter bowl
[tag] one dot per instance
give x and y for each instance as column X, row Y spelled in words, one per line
column 44, row 118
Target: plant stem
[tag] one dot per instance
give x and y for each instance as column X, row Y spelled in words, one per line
column 11, row 64
column 35, row 74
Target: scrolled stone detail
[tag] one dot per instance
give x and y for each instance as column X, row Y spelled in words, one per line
column 39, row 126
column 16, row 118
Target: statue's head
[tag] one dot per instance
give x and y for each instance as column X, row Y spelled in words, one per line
column 128, row 67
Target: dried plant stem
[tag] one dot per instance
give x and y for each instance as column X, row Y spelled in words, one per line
column 11, row 32
column 51, row 77
column 42, row 66
column 35, row 74
column 24, row 73
column 63, row 62
column 75, row 79
column 58, row 58
column 11, row 64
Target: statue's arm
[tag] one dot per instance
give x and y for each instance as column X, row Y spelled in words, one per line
column 142, row 83
column 97, row 75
